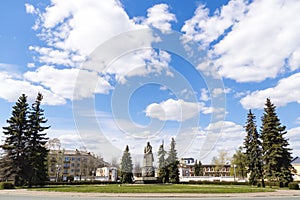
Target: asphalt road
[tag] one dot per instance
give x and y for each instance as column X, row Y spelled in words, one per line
column 73, row 197
column 23, row 194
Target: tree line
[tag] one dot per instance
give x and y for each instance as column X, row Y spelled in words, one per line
column 24, row 157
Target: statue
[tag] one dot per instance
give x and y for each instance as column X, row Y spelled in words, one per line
column 148, row 170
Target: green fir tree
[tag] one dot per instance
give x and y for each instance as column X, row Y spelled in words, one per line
column 172, row 163
column 162, row 164
column 198, row 168
column 36, row 148
column 16, row 141
column 253, row 153
column 276, row 153
column 126, row 167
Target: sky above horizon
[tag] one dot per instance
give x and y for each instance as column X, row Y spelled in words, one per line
column 125, row 72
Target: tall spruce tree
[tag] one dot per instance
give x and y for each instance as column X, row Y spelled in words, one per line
column 253, row 152
column 172, row 163
column 16, row 141
column 25, row 154
column 126, row 167
column 36, row 148
column 198, row 168
column 162, row 164
column 276, row 153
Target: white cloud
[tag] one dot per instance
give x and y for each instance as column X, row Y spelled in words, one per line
column 159, row 17
column 294, row 61
column 298, row 120
column 175, row 110
column 11, row 88
column 80, row 26
column 30, row 65
column 259, row 45
column 138, row 63
column 218, row 91
column 204, row 96
column 62, row 82
column 259, row 40
column 30, row 9
column 286, row 91
column 72, row 30
column 205, row 29
column 222, row 135
column 294, row 140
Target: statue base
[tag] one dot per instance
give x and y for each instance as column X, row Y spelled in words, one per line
column 148, row 171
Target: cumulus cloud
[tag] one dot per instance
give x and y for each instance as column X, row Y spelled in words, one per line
column 30, row 9
column 62, row 82
column 11, row 88
column 175, row 110
column 249, row 41
column 72, row 30
column 159, row 17
column 294, row 140
column 204, row 95
column 259, row 45
column 206, row 29
column 286, row 91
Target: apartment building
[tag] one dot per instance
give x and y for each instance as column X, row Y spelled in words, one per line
column 65, row 165
column 209, row 172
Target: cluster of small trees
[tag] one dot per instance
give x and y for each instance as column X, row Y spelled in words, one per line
column 168, row 162
column 24, row 153
column 167, row 165
column 267, row 154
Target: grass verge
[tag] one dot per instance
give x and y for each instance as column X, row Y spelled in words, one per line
column 176, row 188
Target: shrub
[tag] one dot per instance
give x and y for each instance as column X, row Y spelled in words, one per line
column 6, row 185
column 293, row 186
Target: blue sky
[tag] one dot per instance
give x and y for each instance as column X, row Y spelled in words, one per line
column 126, row 72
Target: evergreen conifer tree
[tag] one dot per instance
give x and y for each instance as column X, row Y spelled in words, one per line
column 25, row 154
column 172, row 163
column 162, row 164
column 36, row 148
column 126, row 167
column 276, row 153
column 253, row 153
column 16, row 141
column 198, row 168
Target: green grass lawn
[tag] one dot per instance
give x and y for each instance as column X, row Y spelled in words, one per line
column 176, row 188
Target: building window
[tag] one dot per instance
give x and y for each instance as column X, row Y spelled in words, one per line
column 67, row 159
column 66, row 165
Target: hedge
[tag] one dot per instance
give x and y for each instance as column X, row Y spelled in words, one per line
column 6, row 185
column 294, row 186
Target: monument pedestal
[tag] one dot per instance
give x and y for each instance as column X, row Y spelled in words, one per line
column 148, row 172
